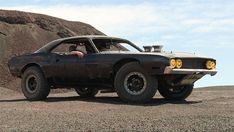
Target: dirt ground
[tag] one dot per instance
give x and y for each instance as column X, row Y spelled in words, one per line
column 209, row 109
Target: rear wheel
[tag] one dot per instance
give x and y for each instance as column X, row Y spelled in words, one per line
column 86, row 92
column 175, row 92
column 134, row 85
column 34, row 85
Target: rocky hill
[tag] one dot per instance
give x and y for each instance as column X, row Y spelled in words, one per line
column 23, row 32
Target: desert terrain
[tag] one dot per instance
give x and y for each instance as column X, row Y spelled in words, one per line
column 207, row 109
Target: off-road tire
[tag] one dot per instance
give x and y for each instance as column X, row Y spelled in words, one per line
column 88, row 93
column 41, row 90
column 145, row 94
column 178, row 95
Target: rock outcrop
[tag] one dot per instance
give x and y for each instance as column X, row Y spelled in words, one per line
column 23, row 32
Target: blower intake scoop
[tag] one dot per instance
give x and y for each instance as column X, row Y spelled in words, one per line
column 157, row 48
column 147, row 48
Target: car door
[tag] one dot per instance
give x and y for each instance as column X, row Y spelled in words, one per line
column 98, row 67
column 74, row 68
column 67, row 69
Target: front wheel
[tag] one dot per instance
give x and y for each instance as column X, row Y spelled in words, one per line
column 176, row 92
column 134, row 85
column 86, row 92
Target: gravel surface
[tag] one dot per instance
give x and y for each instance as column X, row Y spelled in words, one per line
column 210, row 109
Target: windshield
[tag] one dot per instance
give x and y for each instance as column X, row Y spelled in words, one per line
column 115, row 45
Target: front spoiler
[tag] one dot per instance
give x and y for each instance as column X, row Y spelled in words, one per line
column 169, row 70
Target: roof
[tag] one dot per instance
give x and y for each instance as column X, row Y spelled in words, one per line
column 57, row 41
column 90, row 36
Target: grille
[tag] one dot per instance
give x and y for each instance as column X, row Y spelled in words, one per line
column 194, row 63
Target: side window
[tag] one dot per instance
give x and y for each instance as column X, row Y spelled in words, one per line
column 126, row 47
column 102, row 44
column 85, row 47
column 109, row 45
column 82, row 45
column 62, row 48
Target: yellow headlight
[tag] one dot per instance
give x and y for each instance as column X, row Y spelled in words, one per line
column 179, row 63
column 210, row 65
column 173, row 63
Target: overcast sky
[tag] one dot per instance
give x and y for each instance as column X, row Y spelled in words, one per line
column 199, row 26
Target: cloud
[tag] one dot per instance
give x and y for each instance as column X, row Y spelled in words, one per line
column 150, row 21
column 104, row 16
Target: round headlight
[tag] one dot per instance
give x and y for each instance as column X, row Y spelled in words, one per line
column 179, row 63
column 173, row 63
column 213, row 65
column 210, row 65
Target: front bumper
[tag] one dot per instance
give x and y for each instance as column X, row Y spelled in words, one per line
column 169, row 70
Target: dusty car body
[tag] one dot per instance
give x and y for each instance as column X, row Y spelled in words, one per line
column 108, row 64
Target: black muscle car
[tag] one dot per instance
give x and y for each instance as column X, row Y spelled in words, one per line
column 109, row 64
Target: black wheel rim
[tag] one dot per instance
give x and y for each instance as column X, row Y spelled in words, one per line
column 135, row 83
column 31, row 83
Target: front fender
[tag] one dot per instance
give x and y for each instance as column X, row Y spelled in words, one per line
column 155, row 65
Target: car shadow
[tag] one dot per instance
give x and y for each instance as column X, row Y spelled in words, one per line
column 108, row 100
column 12, row 100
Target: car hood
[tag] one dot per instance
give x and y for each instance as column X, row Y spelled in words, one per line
column 165, row 54
column 179, row 55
